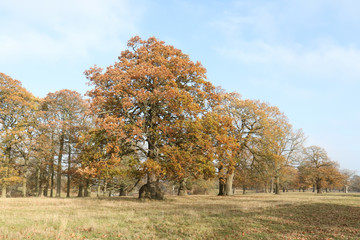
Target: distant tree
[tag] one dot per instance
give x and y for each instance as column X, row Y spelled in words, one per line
column 65, row 113
column 346, row 178
column 16, row 105
column 355, row 183
column 316, row 163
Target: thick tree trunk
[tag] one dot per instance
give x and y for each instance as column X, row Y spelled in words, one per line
column 151, row 190
column 229, row 184
column 122, row 192
column 182, row 188
column 266, row 187
column 68, row 185
column 58, row 177
column 271, row 185
column 277, row 185
column 221, row 186
column 346, row 189
column 81, row 190
column 314, row 188
column 318, row 186
column 244, row 189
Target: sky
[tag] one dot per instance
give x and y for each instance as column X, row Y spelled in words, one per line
column 301, row 56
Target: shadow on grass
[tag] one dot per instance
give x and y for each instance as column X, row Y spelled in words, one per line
column 287, row 221
column 222, row 219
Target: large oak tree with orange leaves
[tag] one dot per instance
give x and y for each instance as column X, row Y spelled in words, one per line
column 153, row 89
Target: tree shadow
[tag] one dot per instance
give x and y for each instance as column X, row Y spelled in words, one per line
column 227, row 218
column 284, row 221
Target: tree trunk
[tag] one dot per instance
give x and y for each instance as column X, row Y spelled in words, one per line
column 105, row 189
column 41, row 191
column 46, row 187
column 266, row 187
column 277, row 185
column 81, row 190
column 24, row 180
column 98, row 190
column 271, row 185
column 314, row 188
column 229, row 184
column 244, row 189
column 318, row 186
column 151, row 190
column 182, row 188
column 68, row 185
column 58, row 177
column 24, row 185
column 3, row 190
column 221, row 186
column 346, row 189
column 37, row 181
column 87, row 190
column 122, row 192
column 52, row 184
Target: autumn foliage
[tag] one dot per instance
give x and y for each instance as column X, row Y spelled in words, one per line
column 152, row 120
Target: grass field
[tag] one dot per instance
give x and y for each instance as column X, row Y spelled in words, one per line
column 252, row 216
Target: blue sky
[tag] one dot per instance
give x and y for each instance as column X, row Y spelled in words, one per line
column 302, row 56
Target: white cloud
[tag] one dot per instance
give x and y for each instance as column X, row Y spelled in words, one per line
column 326, row 61
column 53, row 30
column 293, row 37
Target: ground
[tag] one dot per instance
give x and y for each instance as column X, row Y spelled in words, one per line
column 251, row 216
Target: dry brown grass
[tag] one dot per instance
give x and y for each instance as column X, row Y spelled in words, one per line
column 253, row 216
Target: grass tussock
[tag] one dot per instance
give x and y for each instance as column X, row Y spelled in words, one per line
column 253, row 216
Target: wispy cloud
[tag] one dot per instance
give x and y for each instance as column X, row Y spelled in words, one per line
column 327, row 61
column 53, row 30
column 296, row 38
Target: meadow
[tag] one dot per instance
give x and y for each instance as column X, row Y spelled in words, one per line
column 251, row 216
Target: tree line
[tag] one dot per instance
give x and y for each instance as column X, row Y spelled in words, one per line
column 151, row 119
